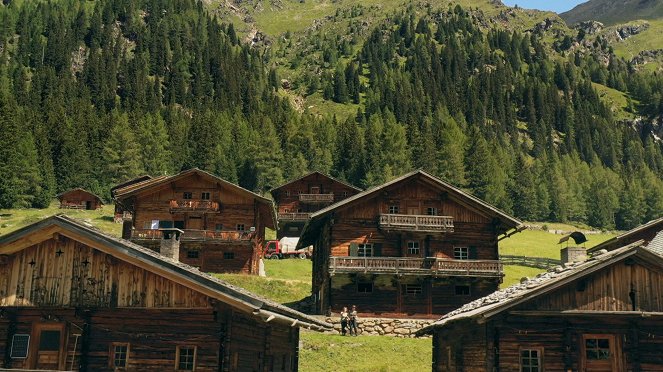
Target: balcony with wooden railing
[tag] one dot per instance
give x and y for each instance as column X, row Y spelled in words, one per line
column 294, row 216
column 410, row 222
column 196, row 235
column 415, row 266
column 316, row 198
column 187, row 205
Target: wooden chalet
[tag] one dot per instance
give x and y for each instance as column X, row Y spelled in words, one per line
column 415, row 246
column 603, row 314
column 223, row 224
column 74, row 298
column 79, row 198
column 298, row 199
column 644, row 232
column 121, row 215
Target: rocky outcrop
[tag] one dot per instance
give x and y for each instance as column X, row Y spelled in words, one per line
column 626, row 31
column 590, row 27
column 647, row 56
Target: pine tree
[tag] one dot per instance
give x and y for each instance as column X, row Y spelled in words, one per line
column 121, row 152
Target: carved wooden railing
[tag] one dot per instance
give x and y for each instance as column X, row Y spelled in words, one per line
column 409, row 222
column 316, row 198
column 198, row 235
column 194, row 205
column 294, row 216
column 420, row 266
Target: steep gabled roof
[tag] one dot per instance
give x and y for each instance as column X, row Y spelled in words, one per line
column 126, row 192
column 502, row 300
column 455, row 192
column 653, row 225
column 60, row 195
column 310, row 174
column 149, row 260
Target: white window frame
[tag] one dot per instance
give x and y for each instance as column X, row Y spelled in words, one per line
column 462, row 253
column 114, row 354
column 394, row 209
column 432, row 211
column 526, row 361
column 179, row 355
column 413, row 248
column 206, row 195
column 363, row 249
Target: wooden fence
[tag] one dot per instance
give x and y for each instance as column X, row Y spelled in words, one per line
column 536, row 262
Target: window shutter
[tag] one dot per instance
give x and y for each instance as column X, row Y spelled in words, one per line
column 472, row 253
column 377, row 249
column 353, row 249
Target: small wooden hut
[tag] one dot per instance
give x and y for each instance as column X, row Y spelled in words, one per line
column 603, row 314
column 79, row 198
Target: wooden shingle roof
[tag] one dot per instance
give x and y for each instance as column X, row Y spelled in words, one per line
column 150, row 260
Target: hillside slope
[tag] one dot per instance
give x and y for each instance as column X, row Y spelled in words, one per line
column 611, row 12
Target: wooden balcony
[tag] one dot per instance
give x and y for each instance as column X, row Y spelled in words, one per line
column 316, row 198
column 196, row 235
column 188, row 205
column 294, row 216
column 415, row 266
column 423, row 223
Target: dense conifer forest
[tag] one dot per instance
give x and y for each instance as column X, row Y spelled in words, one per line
column 94, row 93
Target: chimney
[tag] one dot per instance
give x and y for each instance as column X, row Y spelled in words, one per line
column 573, row 254
column 170, row 243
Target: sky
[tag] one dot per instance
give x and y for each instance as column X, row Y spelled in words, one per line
column 558, row 6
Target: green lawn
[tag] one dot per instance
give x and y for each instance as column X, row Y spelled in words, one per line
column 320, row 352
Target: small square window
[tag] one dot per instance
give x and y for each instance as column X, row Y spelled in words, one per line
column 461, row 253
column 186, row 358
column 394, row 209
column 413, row 248
column 597, row 348
column 530, row 360
column 413, row 289
column 187, row 195
column 364, row 287
column 120, row 355
column 431, row 211
column 344, row 194
column 192, row 253
column 462, row 290
column 240, row 227
column 287, row 192
column 204, row 195
column 218, row 227
column 228, row 255
column 365, row 250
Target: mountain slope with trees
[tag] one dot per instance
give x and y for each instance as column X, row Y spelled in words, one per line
column 92, row 94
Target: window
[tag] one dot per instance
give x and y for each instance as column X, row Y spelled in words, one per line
column 597, row 348
column 187, row 195
column 462, row 290
column 179, row 224
column 394, row 209
column 413, row 289
column 228, row 255
column 364, row 287
column 192, row 253
column 20, row 345
column 286, row 210
column 461, row 253
column 240, row 227
column 287, row 192
column 186, row 358
column 344, row 194
column 154, row 225
column 204, row 195
column 119, row 355
column 530, row 360
column 365, row 250
column 431, row 211
column 218, row 227
column 413, row 248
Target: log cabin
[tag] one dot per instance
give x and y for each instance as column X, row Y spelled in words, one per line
column 74, row 298
column 79, row 198
column 412, row 247
column 297, row 199
column 224, row 224
column 602, row 314
column 644, row 232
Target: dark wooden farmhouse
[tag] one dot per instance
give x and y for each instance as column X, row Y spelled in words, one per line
column 223, row 224
column 121, row 215
column 603, row 314
column 415, row 246
column 644, row 232
column 73, row 298
column 298, row 199
column 79, row 199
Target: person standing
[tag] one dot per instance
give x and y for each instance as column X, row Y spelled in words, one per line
column 344, row 320
column 353, row 321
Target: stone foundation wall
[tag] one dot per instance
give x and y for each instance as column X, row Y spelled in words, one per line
column 383, row 326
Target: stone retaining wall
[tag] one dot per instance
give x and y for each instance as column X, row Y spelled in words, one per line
column 383, row 326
